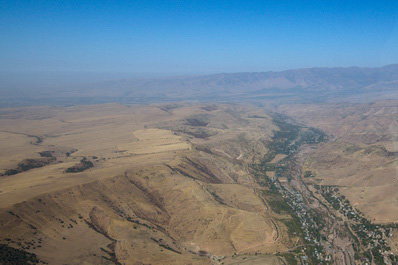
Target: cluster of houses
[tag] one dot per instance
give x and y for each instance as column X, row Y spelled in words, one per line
column 311, row 224
column 371, row 239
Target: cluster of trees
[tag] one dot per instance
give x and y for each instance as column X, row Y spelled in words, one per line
column 13, row 256
column 27, row 164
column 83, row 165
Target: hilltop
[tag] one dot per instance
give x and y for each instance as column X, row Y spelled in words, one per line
column 167, row 184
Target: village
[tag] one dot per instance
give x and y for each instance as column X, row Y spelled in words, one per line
column 370, row 239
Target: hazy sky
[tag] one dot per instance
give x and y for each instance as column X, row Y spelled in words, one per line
column 195, row 36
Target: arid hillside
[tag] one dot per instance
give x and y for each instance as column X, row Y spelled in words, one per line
column 159, row 184
column 362, row 157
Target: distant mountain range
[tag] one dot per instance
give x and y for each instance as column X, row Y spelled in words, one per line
column 353, row 84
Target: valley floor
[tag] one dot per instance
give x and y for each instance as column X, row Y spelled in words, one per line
column 172, row 184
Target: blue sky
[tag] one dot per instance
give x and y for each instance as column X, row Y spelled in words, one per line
column 195, row 36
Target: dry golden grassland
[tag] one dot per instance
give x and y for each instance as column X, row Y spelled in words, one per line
column 169, row 185
column 362, row 156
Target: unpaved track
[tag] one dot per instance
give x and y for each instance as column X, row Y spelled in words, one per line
column 262, row 199
column 343, row 254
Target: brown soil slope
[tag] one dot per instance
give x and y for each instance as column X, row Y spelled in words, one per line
column 169, row 184
column 362, row 158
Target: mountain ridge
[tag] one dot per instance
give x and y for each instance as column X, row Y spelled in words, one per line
column 337, row 84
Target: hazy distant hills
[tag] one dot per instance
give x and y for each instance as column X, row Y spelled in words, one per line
column 352, row 84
